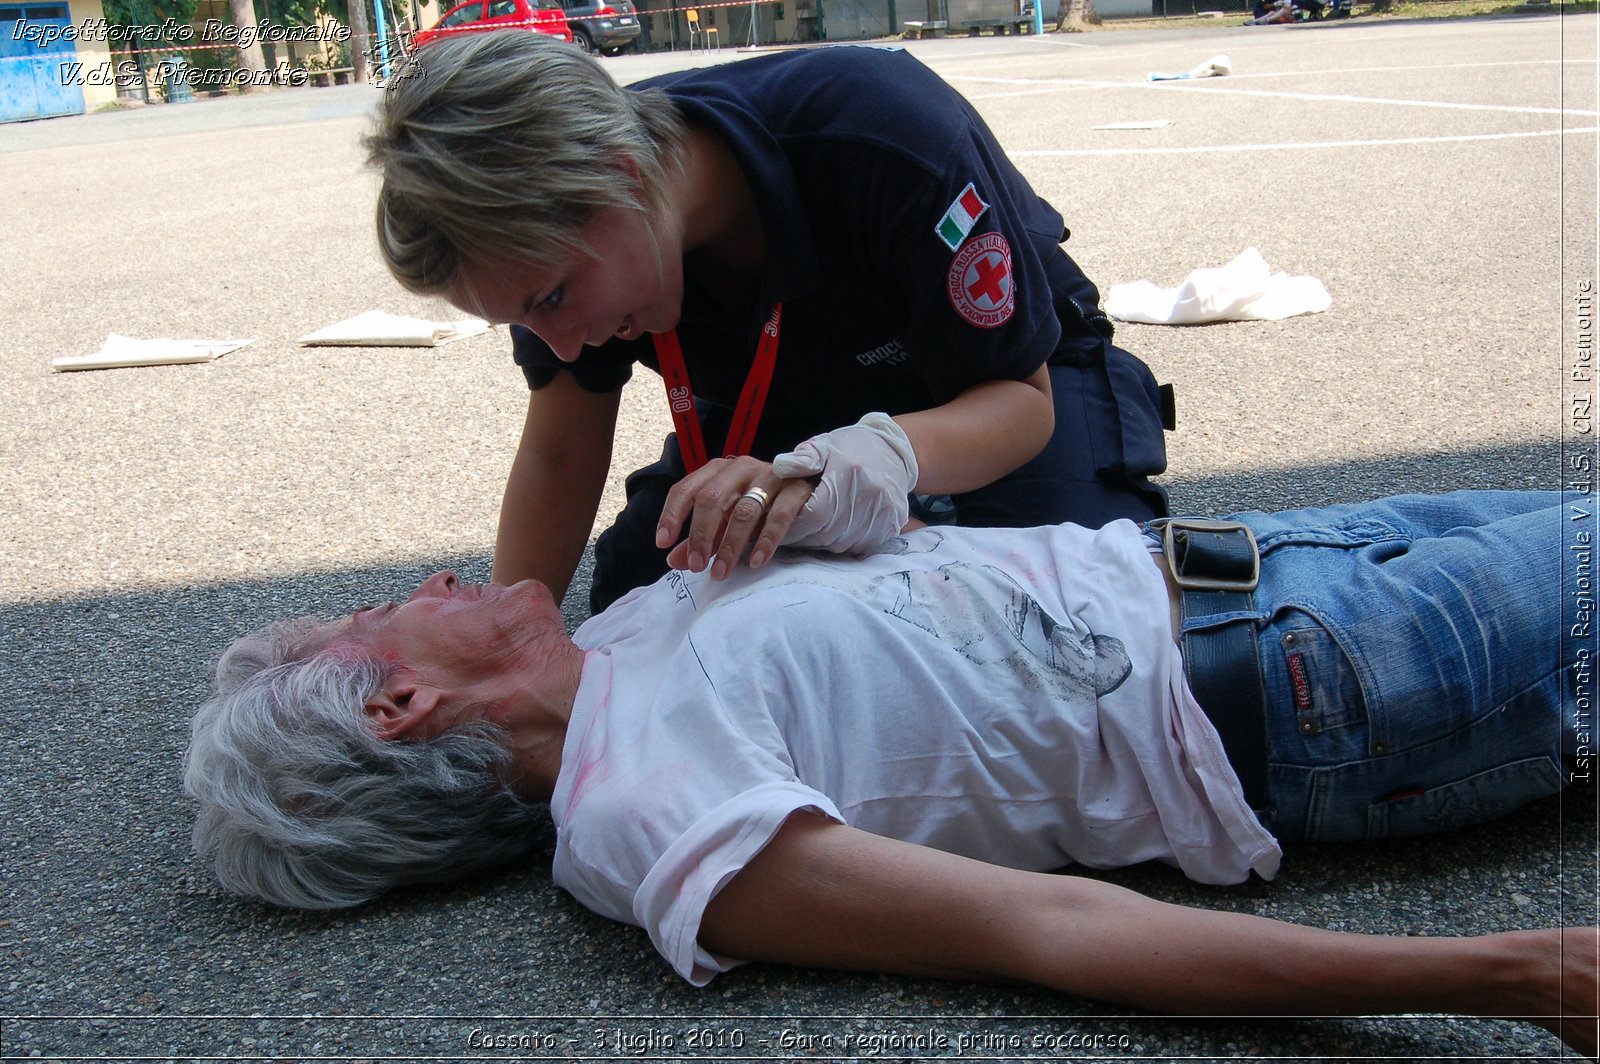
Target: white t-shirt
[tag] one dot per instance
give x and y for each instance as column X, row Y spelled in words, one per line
column 1011, row 695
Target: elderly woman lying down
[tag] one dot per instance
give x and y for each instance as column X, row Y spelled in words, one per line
column 874, row 763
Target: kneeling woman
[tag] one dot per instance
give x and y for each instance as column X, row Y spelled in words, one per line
column 794, row 242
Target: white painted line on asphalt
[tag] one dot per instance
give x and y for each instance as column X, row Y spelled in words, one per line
column 1385, row 70
column 1058, row 153
column 1204, row 87
column 1059, row 87
column 1391, row 101
column 1053, row 42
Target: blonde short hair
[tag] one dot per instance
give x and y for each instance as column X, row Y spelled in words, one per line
column 500, row 146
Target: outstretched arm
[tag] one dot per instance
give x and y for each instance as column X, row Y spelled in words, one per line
column 825, row 895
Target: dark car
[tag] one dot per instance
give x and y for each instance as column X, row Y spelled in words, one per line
column 610, row 27
column 540, row 16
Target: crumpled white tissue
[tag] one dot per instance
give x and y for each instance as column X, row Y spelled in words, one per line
column 1215, row 67
column 1246, row 289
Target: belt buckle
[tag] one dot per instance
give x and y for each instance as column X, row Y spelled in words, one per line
column 1174, row 525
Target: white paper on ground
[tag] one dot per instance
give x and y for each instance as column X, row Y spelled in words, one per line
column 1245, row 289
column 119, row 351
column 378, row 328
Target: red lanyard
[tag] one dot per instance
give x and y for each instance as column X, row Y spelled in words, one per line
column 746, row 416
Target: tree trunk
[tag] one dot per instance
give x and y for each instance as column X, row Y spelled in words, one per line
column 360, row 43
column 1075, row 14
column 244, row 17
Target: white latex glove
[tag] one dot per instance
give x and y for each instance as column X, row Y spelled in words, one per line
column 862, row 501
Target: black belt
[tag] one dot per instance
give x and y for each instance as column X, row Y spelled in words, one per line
column 1217, row 566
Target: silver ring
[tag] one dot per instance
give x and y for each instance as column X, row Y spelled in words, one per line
column 760, row 496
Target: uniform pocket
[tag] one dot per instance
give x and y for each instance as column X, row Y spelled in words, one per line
column 1135, row 418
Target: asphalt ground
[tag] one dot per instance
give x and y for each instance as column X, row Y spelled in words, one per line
column 1439, row 177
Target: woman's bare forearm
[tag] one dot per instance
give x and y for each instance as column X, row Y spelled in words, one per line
column 981, row 435
column 554, row 487
column 1121, row 946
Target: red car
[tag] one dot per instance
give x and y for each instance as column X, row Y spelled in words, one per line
column 540, row 16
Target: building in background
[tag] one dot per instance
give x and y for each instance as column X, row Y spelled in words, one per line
column 55, row 59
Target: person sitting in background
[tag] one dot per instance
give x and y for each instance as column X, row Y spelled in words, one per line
column 1265, row 13
column 1270, row 12
column 873, row 763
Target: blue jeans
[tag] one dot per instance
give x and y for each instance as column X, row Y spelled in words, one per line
column 1419, row 672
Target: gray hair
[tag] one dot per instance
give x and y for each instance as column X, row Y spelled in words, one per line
column 304, row 805
column 501, row 146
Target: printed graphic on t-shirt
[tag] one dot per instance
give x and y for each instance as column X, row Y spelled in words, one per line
column 924, row 541
column 986, row 616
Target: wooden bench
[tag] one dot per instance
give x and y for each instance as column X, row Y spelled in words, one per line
column 1000, row 26
column 330, row 76
column 929, row 28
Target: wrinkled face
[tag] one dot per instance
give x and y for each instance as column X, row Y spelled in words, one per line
column 482, row 638
column 627, row 285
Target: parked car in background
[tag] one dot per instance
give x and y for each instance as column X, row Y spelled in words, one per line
column 609, row 27
column 540, row 16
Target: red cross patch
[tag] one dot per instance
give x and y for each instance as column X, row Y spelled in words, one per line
column 980, row 282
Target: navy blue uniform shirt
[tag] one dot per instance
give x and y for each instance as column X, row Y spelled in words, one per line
column 856, row 155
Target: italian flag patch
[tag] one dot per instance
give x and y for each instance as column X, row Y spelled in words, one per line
column 961, row 217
